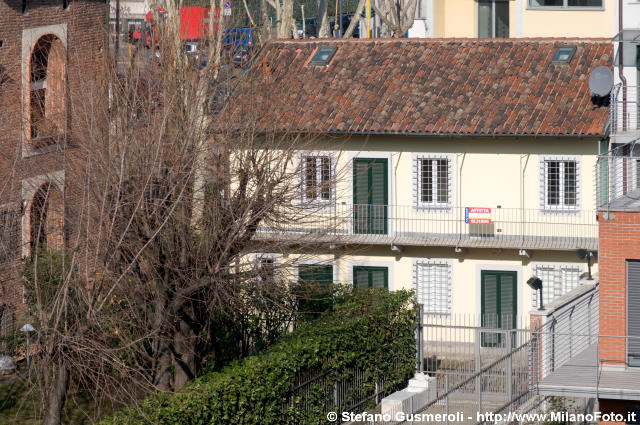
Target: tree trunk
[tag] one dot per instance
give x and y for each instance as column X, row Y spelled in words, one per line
column 266, row 22
column 185, row 362
column 354, row 19
column 55, row 401
column 284, row 27
column 323, row 31
column 162, row 376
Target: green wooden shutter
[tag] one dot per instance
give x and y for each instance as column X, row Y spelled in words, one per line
column 370, row 195
column 314, row 274
column 313, row 290
column 379, row 278
column 370, row 277
column 508, row 301
column 489, row 307
column 498, row 303
column 378, row 174
column 360, row 196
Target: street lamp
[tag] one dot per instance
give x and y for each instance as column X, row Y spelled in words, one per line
column 582, row 254
column 27, row 329
column 536, row 284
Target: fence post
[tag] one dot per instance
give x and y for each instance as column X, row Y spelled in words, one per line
column 446, row 400
column 419, row 339
column 509, row 372
column 376, row 392
column 477, row 359
column 335, row 395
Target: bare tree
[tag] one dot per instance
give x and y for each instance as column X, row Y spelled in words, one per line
column 397, row 15
column 161, row 205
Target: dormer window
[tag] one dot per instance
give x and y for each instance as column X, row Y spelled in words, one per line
column 564, row 54
column 323, row 55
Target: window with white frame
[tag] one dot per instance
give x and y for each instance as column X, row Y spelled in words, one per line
column 317, row 178
column 566, row 4
column 266, row 267
column 432, row 181
column 560, row 180
column 557, row 280
column 432, row 281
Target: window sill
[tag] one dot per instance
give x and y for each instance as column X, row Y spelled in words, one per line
column 433, row 208
column 560, row 211
column 305, row 204
column 570, row 9
column 42, row 145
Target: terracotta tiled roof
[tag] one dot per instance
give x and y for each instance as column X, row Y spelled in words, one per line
column 429, row 87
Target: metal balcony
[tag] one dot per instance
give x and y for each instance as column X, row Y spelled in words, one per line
column 625, row 115
column 618, row 179
column 570, row 358
column 405, row 225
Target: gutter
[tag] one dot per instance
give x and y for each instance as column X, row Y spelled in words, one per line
column 621, row 68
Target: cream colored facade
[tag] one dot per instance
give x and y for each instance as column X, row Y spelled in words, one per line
column 459, row 19
column 506, row 175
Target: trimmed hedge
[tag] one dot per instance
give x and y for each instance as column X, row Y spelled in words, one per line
column 371, row 330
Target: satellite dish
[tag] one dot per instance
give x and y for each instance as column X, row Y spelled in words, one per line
column 601, row 81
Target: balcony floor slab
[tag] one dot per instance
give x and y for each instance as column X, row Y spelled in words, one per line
column 581, row 377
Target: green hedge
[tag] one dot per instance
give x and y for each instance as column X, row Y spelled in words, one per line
column 370, row 330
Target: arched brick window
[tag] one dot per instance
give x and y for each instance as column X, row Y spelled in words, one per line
column 46, row 218
column 47, row 94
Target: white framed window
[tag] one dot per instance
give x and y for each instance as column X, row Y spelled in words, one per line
column 560, row 183
column 317, row 177
column 432, row 281
column 566, row 4
column 557, row 280
column 493, row 18
column 266, row 267
column 432, row 177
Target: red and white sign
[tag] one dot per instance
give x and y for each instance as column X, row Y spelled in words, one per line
column 476, row 215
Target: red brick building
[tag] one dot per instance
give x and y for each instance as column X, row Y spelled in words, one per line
column 48, row 49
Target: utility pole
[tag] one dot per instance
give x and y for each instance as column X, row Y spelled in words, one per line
column 340, row 31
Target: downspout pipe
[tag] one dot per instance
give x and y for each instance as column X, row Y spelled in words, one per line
column 623, row 80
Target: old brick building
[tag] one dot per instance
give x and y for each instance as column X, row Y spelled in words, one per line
column 48, row 50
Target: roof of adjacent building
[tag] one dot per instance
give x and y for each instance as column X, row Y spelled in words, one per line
column 439, row 87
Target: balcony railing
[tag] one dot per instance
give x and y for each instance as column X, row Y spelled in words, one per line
column 406, row 225
column 625, row 115
column 618, row 178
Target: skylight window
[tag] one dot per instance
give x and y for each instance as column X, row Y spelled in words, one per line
column 564, row 54
column 323, row 55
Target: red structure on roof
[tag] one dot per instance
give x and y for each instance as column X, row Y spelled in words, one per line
column 194, row 22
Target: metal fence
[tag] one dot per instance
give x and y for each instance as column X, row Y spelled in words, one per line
column 315, row 391
column 618, row 174
column 625, row 115
column 408, row 225
column 460, row 345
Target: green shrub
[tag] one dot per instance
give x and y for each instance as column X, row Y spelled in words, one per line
column 370, row 330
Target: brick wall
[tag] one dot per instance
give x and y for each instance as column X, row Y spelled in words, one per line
column 85, row 23
column 619, row 241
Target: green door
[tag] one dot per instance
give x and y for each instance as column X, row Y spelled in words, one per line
column 313, row 292
column 498, row 300
column 370, row 196
column 370, row 277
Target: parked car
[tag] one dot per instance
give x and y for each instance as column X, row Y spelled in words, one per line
column 240, row 57
column 235, row 38
column 192, row 49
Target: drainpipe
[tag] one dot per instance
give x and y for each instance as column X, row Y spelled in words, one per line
column 621, row 68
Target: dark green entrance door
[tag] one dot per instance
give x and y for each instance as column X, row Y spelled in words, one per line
column 498, row 300
column 370, row 196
